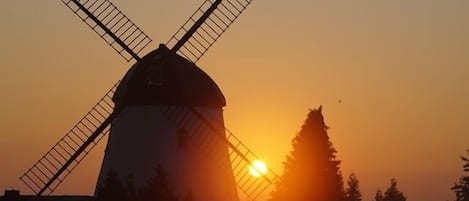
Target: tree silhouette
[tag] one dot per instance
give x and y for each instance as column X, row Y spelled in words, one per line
column 393, row 194
column 158, row 188
column 189, row 197
column 311, row 171
column 379, row 196
column 352, row 193
column 131, row 190
column 462, row 187
column 112, row 189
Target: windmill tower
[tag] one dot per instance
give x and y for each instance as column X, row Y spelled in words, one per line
column 166, row 112
column 145, row 135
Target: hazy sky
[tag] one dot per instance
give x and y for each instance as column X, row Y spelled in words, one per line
column 399, row 67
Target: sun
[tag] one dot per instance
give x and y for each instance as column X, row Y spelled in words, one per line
column 258, row 168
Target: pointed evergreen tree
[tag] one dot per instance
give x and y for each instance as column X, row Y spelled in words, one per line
column 311, row 171
column 189, row 197
column 130, row 186
column 352, row 193
column 112, row 189
column 158, row 188
column 379, row 196
column 393, row 194
column 462, row 187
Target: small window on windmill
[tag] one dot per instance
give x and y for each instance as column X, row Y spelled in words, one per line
column 182, row 139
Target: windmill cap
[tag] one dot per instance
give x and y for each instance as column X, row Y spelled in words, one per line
column 161, row 80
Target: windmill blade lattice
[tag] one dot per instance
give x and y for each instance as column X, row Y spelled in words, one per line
column 241, row 157
column 52, row 168
column 104, row 18
column 210, row 29
column 119, row 32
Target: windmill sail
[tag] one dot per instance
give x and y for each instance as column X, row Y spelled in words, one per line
column 205, row 27
column 241, row 156
column 52, row 168
column 128, row 40
column 113, row 26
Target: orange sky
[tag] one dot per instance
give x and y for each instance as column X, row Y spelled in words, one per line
column 399, row 67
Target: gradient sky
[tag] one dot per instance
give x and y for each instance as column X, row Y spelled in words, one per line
column 399, row 67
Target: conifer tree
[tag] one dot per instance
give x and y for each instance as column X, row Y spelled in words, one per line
column 131, row 190
column 311, row 170
column 158, row 188
column 352, row 193
column 462, row 187
column 379, row 196
column 393, row 194
column 189, row 197
column 112, row 189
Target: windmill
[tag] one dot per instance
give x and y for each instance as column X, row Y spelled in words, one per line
column 164, row 99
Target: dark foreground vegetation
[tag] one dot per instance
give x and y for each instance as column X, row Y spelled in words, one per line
column 311, row 173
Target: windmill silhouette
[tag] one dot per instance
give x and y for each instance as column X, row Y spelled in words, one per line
column 163, row 99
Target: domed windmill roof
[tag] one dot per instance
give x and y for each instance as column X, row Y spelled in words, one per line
column 171, row 81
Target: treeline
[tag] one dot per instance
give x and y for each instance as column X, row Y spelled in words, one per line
column 158, row 188
column 312, row 172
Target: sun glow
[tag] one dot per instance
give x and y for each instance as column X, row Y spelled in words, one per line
column 258, row 168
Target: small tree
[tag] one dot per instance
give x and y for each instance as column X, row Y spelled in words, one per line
column 112, row 189
column 131, row 190
column 158, row 188
column 379, row 196
column 311, row 171
column 462, row 187
column 352, row 193
column 189, row 197
column 393, row 194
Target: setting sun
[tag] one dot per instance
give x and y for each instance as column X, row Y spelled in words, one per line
column 258, row 168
